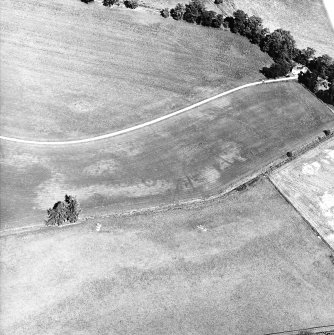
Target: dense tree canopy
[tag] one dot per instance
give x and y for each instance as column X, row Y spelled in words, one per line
column 255, row 32
column 240, row 22
column 109, row 3
column 304, row 55
column 133, row 4
column 280, row 45
column 276, row 70
column 62, row 211
column 194, row 11
column 322, row 65
column 327, row 95
column 178, row 11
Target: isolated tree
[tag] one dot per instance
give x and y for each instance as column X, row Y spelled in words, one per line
column 133, row 4
column 178, row 11
column 62, row 211
column 218, row 2
column 87, row 1
column 56, row 214
column 72, row 208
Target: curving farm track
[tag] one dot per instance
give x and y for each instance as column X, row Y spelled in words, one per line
column 145, row 124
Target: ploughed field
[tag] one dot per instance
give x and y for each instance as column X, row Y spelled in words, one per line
column 195, row 155
column 71, row 70
column 308, row 183
column 245, row 264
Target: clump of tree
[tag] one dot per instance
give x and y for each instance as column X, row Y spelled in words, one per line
column 178, row 11
column 280, row 45
column 309, row 80
column 164, row 13
column 320, row 70
column 327, row 96
column 195, row 12
column 251, row 27
column 109, row 3
column 87, row 1
column 279, row 69
column 132, row 4
column 211, row 19
column 63, row 211
column 304, row 56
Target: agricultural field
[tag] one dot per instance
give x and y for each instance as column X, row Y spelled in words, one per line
column 212, row 148
column 308, row 183
column 71, row 70
column 307, row 20
column 218, row 268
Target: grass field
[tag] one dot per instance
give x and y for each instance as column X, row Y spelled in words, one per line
column 194, row 155
column 308, row 183
column 307, row 19
column 71, row 70
column 246, row 264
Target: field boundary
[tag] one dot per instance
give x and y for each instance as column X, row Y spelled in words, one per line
column 325, row 330
column 308, row 223
column 322, row 102
column 238, row 186
column 148, row 123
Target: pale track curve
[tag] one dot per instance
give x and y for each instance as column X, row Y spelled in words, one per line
column 145, row 124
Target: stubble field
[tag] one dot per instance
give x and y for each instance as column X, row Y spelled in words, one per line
column 308, row 183
column 307, row 20
column 221, row 268
column 71, row 70
column 194, row 155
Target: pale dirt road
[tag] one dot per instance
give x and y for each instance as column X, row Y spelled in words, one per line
column 145, row 124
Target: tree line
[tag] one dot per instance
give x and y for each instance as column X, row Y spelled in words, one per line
column 132, row 4
column 194, row 12
column 279, row 45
